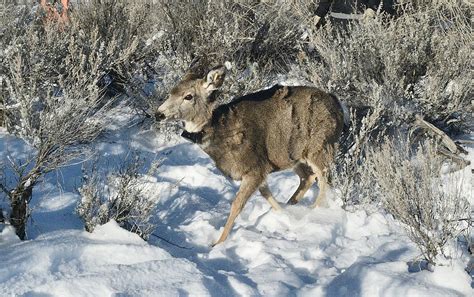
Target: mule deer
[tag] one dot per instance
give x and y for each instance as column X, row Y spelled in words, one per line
column 274, row 129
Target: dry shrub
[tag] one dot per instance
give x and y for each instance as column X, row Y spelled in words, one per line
column 387, row 70
column 244, row 32
column 363, row 130
column 100, row 49
column 409, row 184
column 12, row 23
column 418, row 58
column 53, row 106
column 118, row 194
column 54, row 79
column 123, row 29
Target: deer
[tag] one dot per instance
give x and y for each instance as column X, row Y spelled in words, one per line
column 254, row 135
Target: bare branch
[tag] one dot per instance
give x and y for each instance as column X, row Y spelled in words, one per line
column 445, row 139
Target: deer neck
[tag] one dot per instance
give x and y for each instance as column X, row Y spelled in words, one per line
column 195, row 137
column 196, row 130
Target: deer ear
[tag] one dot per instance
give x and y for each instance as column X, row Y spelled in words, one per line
column 215, row 78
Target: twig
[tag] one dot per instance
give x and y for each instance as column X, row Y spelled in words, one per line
column 454, row 157
column 172, row 243
column 465, row 141
column 471, row 220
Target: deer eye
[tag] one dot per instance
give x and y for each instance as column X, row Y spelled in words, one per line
column 188, row 97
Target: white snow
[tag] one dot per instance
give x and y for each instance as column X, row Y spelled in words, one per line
column 106, row 262
column 298, row 251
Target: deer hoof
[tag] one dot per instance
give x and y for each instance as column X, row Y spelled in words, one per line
column 292, row 202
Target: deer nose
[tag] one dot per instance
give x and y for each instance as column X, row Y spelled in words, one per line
column 159, row 116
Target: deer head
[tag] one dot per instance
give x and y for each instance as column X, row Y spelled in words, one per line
column 192, row 100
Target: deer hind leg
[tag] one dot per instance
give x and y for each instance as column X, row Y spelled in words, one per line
column 319, row 163
column 307, row 179
column 321, row 176
column 267, row 194
column 247, row 188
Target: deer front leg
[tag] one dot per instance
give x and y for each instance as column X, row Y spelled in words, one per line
column 247, row 188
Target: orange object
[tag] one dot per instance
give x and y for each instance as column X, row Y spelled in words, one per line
column 52, row 12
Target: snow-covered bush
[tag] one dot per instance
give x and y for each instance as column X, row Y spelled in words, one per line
column 58, row 80
column 119, row 194
column 124, row 31
column 239, row 31
column 52, row 106
column 388, row 70
column 409, row 184
column 348, row 175
column 417, row 58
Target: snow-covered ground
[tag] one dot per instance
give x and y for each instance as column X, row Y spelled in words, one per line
column 298, row 251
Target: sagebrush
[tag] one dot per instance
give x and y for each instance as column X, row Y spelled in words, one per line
column 57, row 86
column 119, row 194
column 409, row 183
